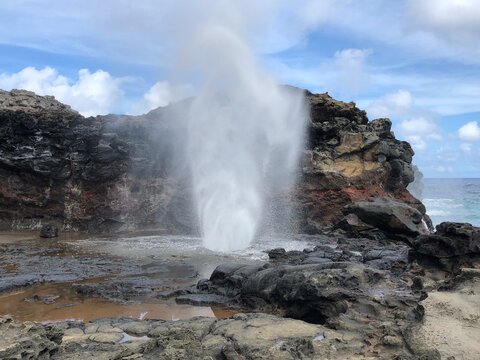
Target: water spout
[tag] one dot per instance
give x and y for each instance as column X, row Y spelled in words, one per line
column 244, row 131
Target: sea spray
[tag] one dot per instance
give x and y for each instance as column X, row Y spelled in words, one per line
column 245, row 135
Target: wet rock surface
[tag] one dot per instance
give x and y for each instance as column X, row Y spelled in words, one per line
column 117, row 278
column 343, row 298
column 366, row 292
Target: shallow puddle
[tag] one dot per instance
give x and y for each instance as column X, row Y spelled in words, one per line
column 58, row 301
column 154, row 262
column 9, row 237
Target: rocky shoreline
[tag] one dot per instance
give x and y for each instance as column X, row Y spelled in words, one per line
column 358, row 292
column 344, row 298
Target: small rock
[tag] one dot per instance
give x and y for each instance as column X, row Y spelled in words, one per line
column 106, row 338
column 136, row 328
column 392, row 340
column 106, row 328
column 277, row 253
column 49, row 231
column 90, row 329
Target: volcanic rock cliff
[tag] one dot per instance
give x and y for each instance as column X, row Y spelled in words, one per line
column 112, row 172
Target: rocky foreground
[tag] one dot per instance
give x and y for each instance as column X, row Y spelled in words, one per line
column 244, row 336
column 346, row 298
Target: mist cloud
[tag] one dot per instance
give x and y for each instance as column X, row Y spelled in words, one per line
column 245, row 131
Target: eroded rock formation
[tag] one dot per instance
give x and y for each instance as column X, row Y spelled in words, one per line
column 245, row 336
column 126, row 172
column 362, row 288
column 451, row 247
column 350, row 159
column 94, row 174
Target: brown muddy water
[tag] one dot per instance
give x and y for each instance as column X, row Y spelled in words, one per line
column 59, row 301
column 53, row 266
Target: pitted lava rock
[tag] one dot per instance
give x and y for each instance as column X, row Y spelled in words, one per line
column 366, row 290
column 48, row 231
column 452, row 246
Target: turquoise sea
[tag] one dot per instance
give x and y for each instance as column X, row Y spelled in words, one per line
column 452, row 200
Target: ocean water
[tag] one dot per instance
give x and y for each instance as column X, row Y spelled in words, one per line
column 452, row 200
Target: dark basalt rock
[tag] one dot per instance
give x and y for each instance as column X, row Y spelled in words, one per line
column 367, row 290
column 98, row 174
column 278, row 253
column 453, row 245
column 49, row 231
column 392, row 217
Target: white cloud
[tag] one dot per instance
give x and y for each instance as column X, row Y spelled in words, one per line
column 148, row 31
column 454, row 21
column 419, row 126
column 418, row 130
column 351, row 68
column 121, row 28
column 352, row 57
column 96, row 93
column 436, row 136
column 392, row 104
column 90, row 94
column 163, row 93
column 469, row 132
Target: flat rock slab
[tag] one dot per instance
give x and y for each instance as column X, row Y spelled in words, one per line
column 245, row 336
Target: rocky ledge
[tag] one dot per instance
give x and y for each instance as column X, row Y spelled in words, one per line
column 451, row 247
column 361, row 289
column 113, row 173
column 244, row 336
column 368, row 290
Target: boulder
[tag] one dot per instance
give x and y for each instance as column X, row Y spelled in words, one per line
column 453, row 245
column 391, row 216
column 49, row 231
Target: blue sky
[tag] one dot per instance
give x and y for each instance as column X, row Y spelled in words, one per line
column 415, row 61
